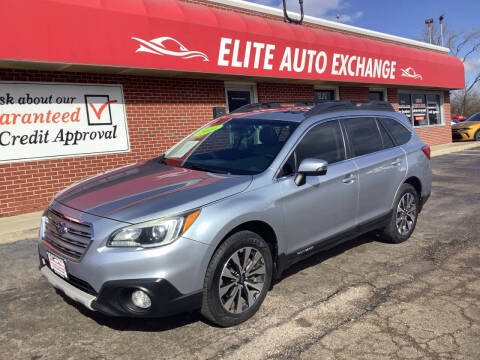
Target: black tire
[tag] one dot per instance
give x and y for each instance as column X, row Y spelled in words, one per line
column 476, row 137
column 392, row 233
column 212, row 307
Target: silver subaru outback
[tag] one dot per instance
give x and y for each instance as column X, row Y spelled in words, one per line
column 211, row 222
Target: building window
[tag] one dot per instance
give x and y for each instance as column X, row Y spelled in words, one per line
column 376, row 95
column 239, row 94
column 421, row 109
column 324, row 95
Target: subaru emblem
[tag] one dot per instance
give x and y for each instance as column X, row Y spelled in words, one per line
column 62, row 228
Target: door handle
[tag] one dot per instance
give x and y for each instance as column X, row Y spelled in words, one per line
column 349, row 179
column 397, row 162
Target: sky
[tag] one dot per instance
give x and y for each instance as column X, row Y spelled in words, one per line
column 404, row 18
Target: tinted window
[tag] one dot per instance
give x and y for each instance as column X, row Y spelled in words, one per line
column 364, row 135
column 289, row 167
column 398, row 131
column 376, row 95
column 237, row 98
column 323, row 142
column 387, row 140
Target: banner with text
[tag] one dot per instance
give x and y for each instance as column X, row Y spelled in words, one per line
column 171, row 35
column 51, row 120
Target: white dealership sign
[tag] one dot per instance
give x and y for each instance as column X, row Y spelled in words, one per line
column 52, row 120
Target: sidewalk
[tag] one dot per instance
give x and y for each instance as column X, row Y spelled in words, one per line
column 444, row 149
column 26, row 226
column 19, row 227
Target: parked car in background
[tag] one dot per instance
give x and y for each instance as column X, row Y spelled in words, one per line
column 459, row 118
column 468, row 129
column 211, row 222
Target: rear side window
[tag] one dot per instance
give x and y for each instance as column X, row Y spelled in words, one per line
column 397, row 130
column 387, row 140
column 364, row 135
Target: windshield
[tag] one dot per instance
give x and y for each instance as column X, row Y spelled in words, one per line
column 236, row 146
column 475, row 117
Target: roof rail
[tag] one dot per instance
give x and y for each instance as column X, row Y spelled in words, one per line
column 273, row 105
column 344, row 105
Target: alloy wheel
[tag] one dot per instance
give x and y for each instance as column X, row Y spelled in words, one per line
column 242, row 280
column 406, row 213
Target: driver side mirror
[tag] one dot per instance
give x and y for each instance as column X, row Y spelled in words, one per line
column 310, row 167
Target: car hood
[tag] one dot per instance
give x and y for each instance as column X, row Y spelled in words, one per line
column 466, row 124
column 149, row 190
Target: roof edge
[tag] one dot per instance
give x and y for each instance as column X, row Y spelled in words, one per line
column 246, row 5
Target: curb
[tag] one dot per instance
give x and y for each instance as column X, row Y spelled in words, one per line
column 451, row 149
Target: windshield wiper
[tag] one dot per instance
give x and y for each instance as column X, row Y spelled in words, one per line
column 202, row 168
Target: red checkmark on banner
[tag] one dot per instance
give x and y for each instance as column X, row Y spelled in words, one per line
column 98, row 112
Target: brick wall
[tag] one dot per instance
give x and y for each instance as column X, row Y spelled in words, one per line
column 284, row 92
column 353, row 93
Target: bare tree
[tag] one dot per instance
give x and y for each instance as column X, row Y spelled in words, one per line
column 465, row 46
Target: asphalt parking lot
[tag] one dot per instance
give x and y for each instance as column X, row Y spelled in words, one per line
column 362, row 300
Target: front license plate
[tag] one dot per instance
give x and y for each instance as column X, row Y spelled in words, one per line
column 57, row 265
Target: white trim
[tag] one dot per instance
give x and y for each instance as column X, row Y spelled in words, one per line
column 246, row 5
column 328, row 87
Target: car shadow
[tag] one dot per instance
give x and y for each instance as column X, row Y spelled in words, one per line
column 321, row 256
column 176, row 321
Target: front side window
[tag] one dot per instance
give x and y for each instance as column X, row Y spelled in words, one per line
column 421, row 109
column 364, row 135
column 324, row 142
column 234, row 146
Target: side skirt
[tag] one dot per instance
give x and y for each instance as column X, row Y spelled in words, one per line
column 284, row 261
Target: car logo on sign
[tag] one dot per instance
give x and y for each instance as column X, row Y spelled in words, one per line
column 62, row 228
column 169, row 46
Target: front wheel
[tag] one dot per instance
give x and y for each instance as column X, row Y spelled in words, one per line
column 476, row 137
column 237, row 279
column 404, row 215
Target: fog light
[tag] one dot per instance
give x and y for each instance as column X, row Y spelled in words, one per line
column 141, row 299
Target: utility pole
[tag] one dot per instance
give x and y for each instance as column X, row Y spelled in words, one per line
column 429, row 23
column 441, row 27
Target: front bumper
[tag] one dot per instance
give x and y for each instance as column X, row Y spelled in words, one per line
column 461, row 135
column 114, row 296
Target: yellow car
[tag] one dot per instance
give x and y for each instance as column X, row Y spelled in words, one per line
column 468, row 129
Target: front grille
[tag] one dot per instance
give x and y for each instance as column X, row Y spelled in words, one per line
column 456, row 136
column 68, row 236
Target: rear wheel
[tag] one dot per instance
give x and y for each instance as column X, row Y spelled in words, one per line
column 404, row 215
column 237, row 280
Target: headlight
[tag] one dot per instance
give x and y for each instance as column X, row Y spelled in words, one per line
column 153, row 233
column 43, row 225
column 465, row 129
